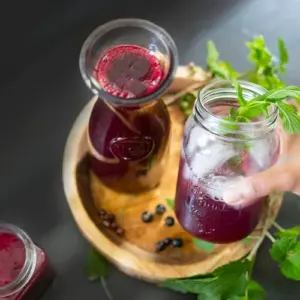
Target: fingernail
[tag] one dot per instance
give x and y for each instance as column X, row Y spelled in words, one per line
column 238, row 193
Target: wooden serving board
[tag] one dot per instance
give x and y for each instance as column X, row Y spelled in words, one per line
column 134, row 253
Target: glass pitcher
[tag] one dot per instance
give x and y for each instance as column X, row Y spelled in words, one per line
column 128, row 64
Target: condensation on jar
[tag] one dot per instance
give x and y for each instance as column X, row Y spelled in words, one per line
column 25, row 272
column 215, row 156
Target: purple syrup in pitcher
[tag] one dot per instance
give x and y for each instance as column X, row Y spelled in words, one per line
column 129, row 71
column 128, row 143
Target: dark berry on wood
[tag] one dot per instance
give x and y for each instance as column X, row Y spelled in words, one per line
column 160, row 246
column 177, row 243
column 110, row 218
column 169, row 221
column 120, row 231
column 106, row 223
column 147, row 217
column 160, row 209
column 167, row 241
column 101, row 212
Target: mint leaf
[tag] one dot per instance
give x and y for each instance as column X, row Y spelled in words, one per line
column 286, row 251
column 233, row 113
column 206, row 246
column 259, row 53
column 192, row 285
column 170, row 203
column 258, row 105
column 246, row 240
column 225, row 282
column 283, row 55
column 231, row 73
column 255, row 291
column 217, row 67
column 239, row 90
column 291, row 232
column 212, row 53
column 97, row 266
column 289, row 117
column 250, row 112
column 208, row 297
column 279, row 94
column 266, row 71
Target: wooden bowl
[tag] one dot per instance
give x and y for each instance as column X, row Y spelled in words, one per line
column 134, row 253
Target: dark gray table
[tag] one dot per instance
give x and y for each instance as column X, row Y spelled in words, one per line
column 41, row 93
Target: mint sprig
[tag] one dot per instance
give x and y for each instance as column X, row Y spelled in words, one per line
column 228, row 282
column 218, row 68
column 286, row 251
column 266, row 70
column 233, row 281
column 259, row 106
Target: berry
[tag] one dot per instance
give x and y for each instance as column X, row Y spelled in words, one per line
column 147, row 217
column 110, row 218
column 160, row 209
column 167, row 241
column 169, row 221
column 106, row 223
column 113, row 225
column 101, row 212
column 177, row 243
column 120, row 231
column 160, row 246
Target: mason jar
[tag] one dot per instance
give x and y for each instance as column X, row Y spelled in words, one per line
column 215, row 155
column 128, row 64
column 25, row 272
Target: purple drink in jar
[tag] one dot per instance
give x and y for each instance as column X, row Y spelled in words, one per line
column 217, row 154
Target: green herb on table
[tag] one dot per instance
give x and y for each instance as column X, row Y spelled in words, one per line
column 170, row 202
column 230, row 281
column 233, row 281
column 97, row 268
column 286, row 251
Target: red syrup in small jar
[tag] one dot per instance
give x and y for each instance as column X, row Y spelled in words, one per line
column 24, row 269
column 128, row 143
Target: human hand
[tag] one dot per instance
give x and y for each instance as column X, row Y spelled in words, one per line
column 284, row 176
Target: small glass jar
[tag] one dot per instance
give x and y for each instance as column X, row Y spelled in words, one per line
column 128, row 64
column 24, row 268
column 215, row 155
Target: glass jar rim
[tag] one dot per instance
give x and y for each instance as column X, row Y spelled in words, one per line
column 201, row 111
column 121, row 23
column 28, row 268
